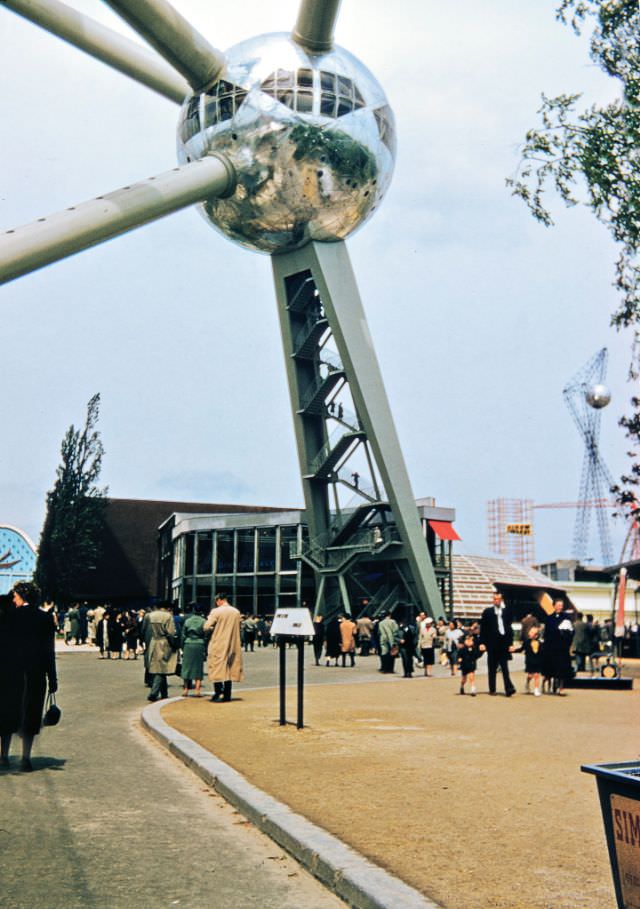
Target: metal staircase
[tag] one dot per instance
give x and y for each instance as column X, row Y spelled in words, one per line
column 359, row 507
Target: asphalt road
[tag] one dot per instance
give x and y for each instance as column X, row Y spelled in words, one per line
column 109, row 820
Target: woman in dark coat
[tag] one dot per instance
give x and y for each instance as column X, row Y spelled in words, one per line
column 31, row 632
column 115, row 633
column 558, row 634
column 9, row 691
column 332, row 643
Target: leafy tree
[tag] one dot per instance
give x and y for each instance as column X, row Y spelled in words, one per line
column 70, row 538
column 592, row 157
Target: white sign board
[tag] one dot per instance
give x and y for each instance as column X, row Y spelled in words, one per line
column 292, row 621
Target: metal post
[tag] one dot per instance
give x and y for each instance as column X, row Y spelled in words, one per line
column 282, row 646
column 300, row 643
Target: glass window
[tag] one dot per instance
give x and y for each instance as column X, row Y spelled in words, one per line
column 285, row 97
column 288, row 583
column 266, row 595
column 222, row 102
column 205, row 554
column 305, row 78
column 304, row 102
column 246, row 551
column 190, row 539
column 203, row 593
column 345, row 86
column 191, row 123
column 328, row 82
column 267, row 549
column 345, row 106
column 244, row 595
column 328, row 105
column 225, row 107
column 225, row 552
column 288, row 537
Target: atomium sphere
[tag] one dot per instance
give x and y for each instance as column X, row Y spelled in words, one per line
column 311, row 136
column 597, row 396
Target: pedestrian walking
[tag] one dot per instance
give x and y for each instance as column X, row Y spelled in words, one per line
column 29, row 669
column 389, row 633
column 558, row 633
column 467, row 658
column 318, row 637
column 496, row 639
column 407, row 646
column 347, row 640
column 193, row 645
column 426, row 640
column 225, row 650
column 161, row 649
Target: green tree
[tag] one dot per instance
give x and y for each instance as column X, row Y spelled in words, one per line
column 70, row 538
column 592, row 157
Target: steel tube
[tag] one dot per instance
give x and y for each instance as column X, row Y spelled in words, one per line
column 62, row 234
column 174, row 38
column 106, row 45
column 315, row 24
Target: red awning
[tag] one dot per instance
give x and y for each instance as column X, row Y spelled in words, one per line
column 444, row 529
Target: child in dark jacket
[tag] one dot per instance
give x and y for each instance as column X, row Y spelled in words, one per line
column 532, row 646
column 468, row 656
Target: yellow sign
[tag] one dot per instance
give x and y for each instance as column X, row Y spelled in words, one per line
column 522, row 530
column 625, row 815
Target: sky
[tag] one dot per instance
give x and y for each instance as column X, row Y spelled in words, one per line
column 479, row 315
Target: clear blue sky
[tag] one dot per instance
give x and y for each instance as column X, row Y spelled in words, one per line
column 479, row 315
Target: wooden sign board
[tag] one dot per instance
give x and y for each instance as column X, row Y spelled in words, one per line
column 296, row 622
column 625, row 814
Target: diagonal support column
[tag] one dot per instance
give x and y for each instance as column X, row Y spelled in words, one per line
column 104, row 44
column 333, row 276
column 175, row 39
column 32, row 246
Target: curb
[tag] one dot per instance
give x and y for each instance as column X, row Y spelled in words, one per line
column 356, row 880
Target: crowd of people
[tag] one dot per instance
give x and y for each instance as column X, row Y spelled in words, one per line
column 556, row 643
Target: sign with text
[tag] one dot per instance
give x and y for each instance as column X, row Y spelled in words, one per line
column 521, row 530
column 295, row 622
column 625, row 814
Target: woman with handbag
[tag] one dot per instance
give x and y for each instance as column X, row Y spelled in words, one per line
column 30, row 632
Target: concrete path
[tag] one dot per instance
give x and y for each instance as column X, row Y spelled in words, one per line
column 108, row 820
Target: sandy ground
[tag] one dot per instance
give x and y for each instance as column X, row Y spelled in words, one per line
column 477, row 802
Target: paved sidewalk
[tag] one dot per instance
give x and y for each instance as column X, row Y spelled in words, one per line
column 110, row 821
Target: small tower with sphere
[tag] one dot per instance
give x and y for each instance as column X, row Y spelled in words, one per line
column 585, row 396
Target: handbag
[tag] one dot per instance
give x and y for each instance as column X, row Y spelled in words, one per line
column 394, row 651
column 52, row 713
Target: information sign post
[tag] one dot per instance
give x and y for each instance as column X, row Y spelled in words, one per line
column 288, row 623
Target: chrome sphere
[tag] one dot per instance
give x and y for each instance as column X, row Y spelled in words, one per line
column 597, row 396
column 311, row 136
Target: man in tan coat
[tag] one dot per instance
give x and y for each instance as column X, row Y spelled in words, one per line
column 224, row 655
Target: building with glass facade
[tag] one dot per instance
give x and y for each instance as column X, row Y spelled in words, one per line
column 257, row 560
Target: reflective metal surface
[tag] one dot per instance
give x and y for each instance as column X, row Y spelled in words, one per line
column 311, row 136
column 597, row 396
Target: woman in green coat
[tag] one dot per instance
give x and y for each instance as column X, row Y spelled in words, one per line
column 192, row 641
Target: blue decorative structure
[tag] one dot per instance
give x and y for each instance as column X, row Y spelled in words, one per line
column 17, row 557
